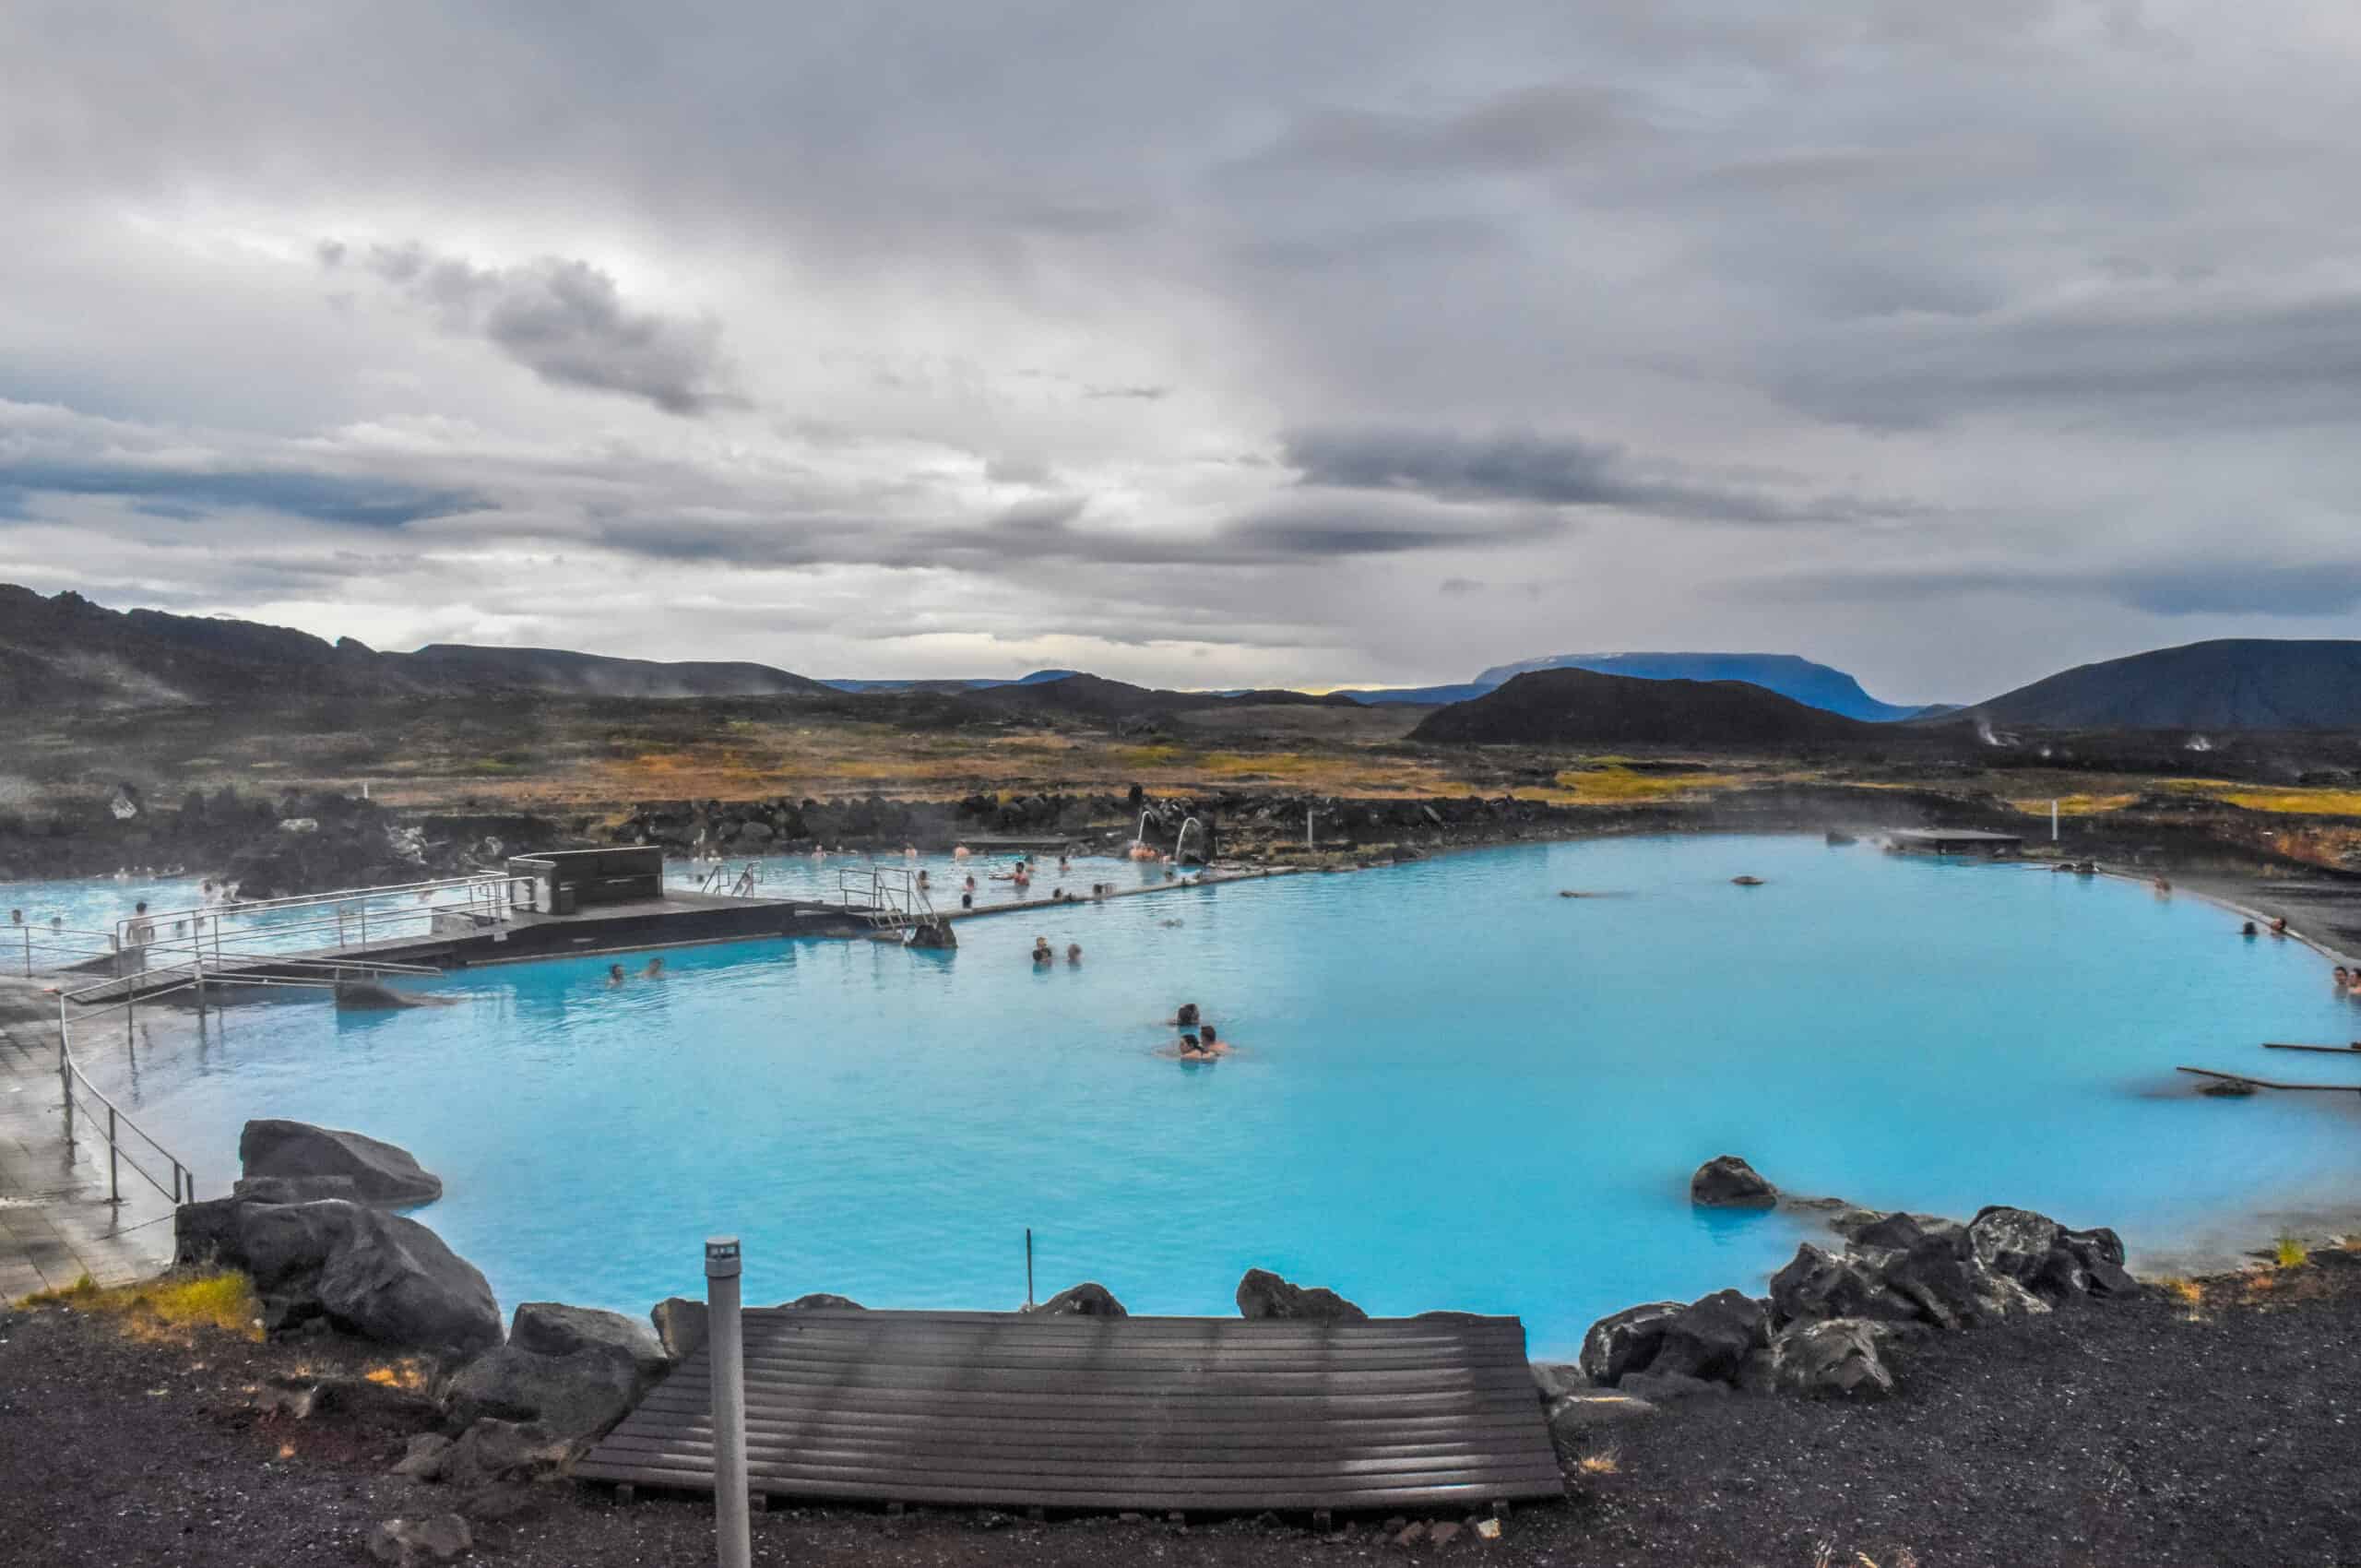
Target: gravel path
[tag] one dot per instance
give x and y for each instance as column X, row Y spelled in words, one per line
column 2144, row 1434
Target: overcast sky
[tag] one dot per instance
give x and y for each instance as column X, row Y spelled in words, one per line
column 1198, row 345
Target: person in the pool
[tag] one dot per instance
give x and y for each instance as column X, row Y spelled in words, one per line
column 15, row 917
column 1193, row 1051
column 1041, row 951
column 2249, row 930
column 2279, row 925
column 655, row 969
column 1186, row 1017
column 1213, row 1042
column 1073, row 952
column 614, row 975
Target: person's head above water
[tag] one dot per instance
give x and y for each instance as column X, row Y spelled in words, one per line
column 1187, row 1013
column 615, row 971
column 1208, row 1033
column 1188, row 1043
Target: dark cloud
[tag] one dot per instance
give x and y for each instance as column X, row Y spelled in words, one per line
column 186, row 493
column 2211, row 587
column 1543, row 470
column 566, row 322
column 1532, row 128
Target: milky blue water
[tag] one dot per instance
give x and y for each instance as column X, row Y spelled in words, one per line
column 1452, row 1087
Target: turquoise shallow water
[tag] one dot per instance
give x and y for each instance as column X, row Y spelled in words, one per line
column 1453, row 1088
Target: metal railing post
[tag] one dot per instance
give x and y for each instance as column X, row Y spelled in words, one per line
column 725, row 1336
column 197, row 967
column 66, row 1072
column 114, row 1173
column 28, row 952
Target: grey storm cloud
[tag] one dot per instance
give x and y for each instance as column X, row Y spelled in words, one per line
column 186, row 493
column 2307, row 590
column 1673, row 322
column 566, row 322
column 1543, row 470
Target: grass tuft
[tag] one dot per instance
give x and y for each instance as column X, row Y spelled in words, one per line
column 1608, row 1461
column 170, row 1303
column 2289, row 1252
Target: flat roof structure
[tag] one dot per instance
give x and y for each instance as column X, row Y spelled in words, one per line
column 1955, row 841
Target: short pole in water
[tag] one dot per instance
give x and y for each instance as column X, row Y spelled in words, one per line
column 2053, row 822
column 1029, row 1265
column 725, row 1336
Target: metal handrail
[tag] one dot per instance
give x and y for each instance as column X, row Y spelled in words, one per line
column 489, row 884
column 69, row 1072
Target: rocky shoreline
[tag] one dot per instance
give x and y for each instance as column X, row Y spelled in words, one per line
column 1929, row 1390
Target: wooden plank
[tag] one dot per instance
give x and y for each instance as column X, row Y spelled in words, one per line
column 1169, row 1414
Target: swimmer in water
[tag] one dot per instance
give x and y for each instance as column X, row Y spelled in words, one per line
column 1214, row 1043
column 614, row 975
column 1192, row 1051
column 2279, row 925
column 2250, row 930
column 1185, row 1018
column 1041, row 952
column 1073, row 952
column 1063, row 866
column 15, row 917
column 655, row 969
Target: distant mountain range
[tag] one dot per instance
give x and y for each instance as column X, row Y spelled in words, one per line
column 67, row 652
column 1575, row 706
column 1039, row 677
column 64, row 652
column 2230, row 685
column 1815, row 685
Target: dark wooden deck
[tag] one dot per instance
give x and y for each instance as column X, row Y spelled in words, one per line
column 1198, row 1415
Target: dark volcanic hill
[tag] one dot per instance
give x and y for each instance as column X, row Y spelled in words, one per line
column 596, row 675
column 2234, row 683
column 67, row 652
column 1580, row 708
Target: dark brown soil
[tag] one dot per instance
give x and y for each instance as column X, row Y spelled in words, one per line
column 2143, row 1434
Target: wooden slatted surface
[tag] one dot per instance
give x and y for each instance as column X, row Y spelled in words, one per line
column 1211, row 1414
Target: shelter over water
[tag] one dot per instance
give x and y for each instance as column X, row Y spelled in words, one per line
column 1955, row 841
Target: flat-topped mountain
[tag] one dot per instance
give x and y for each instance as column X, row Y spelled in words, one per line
column 2231, row 683
column 1815, row 685
column 1581, row 708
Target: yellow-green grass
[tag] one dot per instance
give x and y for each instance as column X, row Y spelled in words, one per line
column 2285, row 800
column 1617, row 784
column 222, row 1299
column 2071, row 805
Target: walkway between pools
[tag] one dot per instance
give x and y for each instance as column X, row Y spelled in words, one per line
column 56, row 1223
column 1165, row 1414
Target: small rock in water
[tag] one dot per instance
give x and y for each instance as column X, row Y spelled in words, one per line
column 1727, row 1181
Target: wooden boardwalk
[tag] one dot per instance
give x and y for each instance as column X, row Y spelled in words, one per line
column 1194, row 1415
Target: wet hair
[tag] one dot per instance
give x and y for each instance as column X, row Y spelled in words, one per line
column 1188, row 1043
column 2248, row 930
column 615, row 971
column 1187, row 1013
column 1210, row 1036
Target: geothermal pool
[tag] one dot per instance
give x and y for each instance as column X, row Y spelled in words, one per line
column 1453, row 1088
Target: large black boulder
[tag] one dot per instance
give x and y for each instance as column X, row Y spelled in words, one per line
column 367, row 1272
column 1709, row 1337
column 1727, row 1181
column 1626, row 1341
column 1836, row 1358
column 1817, row 1284
column 1262, row 1294
column 551, row 1328
column 576, row 1395
column 297, row 1152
